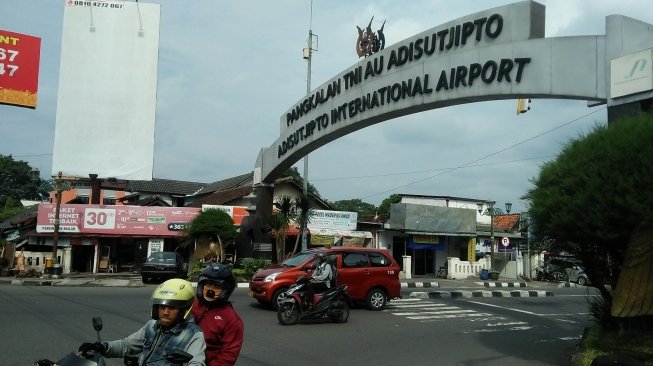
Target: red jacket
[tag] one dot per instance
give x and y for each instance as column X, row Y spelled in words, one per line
column 223, row 332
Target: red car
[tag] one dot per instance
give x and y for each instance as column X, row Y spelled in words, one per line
column 371, row 274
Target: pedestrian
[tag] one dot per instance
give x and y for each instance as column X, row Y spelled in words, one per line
column 171, row 327
column 223, row 329
column 20, row 263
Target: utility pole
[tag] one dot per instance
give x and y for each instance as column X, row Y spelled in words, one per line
column 308, row 56
column 55, row 234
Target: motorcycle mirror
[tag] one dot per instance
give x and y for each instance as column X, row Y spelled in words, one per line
column 177, row 356
column 97, row 323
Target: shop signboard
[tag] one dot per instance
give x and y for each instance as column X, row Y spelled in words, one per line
column 115, row 220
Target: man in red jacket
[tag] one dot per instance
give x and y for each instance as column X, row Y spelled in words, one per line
column 223, row 329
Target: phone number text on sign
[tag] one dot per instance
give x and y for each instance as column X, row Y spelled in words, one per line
column 100, row 218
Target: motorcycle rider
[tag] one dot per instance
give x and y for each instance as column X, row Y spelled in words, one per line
column 171, row 327
column 320, row 279
column 223, row 329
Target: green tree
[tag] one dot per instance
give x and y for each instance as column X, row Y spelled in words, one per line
column 283, row 216
column 211, row 228
column 355, row 205
column 588, row 201
column 17, row 181
column 384, row 208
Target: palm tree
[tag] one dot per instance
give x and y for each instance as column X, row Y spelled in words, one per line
column 279, row 222
column 303, row 218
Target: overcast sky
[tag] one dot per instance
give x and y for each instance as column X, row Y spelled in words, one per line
column 228, row 70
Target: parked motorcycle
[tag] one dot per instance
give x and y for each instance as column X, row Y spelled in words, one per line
column 332, row 304
column 548, row 273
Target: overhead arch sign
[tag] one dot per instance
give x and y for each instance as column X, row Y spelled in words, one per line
column 500, row 53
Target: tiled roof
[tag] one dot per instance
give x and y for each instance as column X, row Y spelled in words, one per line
column 229, row 183
column 222, row 197
column 157, row 185
column 506, row 222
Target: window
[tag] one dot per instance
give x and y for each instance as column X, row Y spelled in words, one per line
column 354, row 260
column 109, row 201
column 378, row 260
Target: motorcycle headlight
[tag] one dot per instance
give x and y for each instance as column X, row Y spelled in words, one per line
column 271, row 277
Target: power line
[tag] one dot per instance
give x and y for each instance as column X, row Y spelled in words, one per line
column 486, row 156
column 429, row 170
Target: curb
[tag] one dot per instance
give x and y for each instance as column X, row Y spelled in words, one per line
column 419, row 284
column 479, row 293
column 504, row 284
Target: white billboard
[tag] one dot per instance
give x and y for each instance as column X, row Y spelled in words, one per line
column 335, row 220
column 107, row 90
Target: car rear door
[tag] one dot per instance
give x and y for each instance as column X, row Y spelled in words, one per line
column 384, row 272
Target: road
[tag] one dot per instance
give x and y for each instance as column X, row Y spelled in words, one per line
column 47, row 322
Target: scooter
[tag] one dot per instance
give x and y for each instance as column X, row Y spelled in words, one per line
column 92, row 358
column 548, row 273
column 332, row 304
column 76, row 359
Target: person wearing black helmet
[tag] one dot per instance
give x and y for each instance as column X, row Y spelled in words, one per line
column 170, row 328
column 223, row 329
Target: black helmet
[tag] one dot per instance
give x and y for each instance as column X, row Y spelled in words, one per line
column 320, row 256
column 220, row 275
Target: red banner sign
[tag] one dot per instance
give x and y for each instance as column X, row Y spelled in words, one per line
column 115, row 220
column 19, row 68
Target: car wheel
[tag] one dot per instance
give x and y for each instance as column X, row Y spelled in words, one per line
column 376, row 299
column 145, row 279
column 582, row 281
column 276, row 297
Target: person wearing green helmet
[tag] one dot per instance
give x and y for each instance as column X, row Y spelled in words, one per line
column 171, row 328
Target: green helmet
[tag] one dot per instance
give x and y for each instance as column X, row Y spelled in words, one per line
column 175, row 292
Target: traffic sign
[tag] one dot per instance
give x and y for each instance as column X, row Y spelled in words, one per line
column 505, row 241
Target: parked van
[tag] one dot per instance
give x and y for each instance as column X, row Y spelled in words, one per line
column 371, row 274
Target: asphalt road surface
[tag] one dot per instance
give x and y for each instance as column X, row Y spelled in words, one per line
column 48, row 322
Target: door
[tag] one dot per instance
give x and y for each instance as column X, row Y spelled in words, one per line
column 355, row 273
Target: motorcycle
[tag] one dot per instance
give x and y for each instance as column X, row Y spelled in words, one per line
column 332, row 304
column 92, row 358
column 548, row 273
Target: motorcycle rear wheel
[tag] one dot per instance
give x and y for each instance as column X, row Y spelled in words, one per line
column 288, row 313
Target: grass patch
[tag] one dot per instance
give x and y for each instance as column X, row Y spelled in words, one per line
column 598, row 342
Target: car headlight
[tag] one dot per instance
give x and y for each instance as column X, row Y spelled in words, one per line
column 271, row 277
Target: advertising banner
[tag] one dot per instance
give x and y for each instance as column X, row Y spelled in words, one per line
column 115, row 220
column 237, row 213
column 337, row 220
column 106, row 102
column 19, row 68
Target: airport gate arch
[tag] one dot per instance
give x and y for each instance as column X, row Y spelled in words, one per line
column 499, row 53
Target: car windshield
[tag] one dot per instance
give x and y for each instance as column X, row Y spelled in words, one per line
column 161, row 257
column 298, row 259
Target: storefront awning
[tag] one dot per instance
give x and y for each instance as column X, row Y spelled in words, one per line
column 22, row 242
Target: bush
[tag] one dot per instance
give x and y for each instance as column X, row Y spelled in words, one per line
column 249, row 266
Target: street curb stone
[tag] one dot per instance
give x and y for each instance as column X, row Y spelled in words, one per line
column 481, row 293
